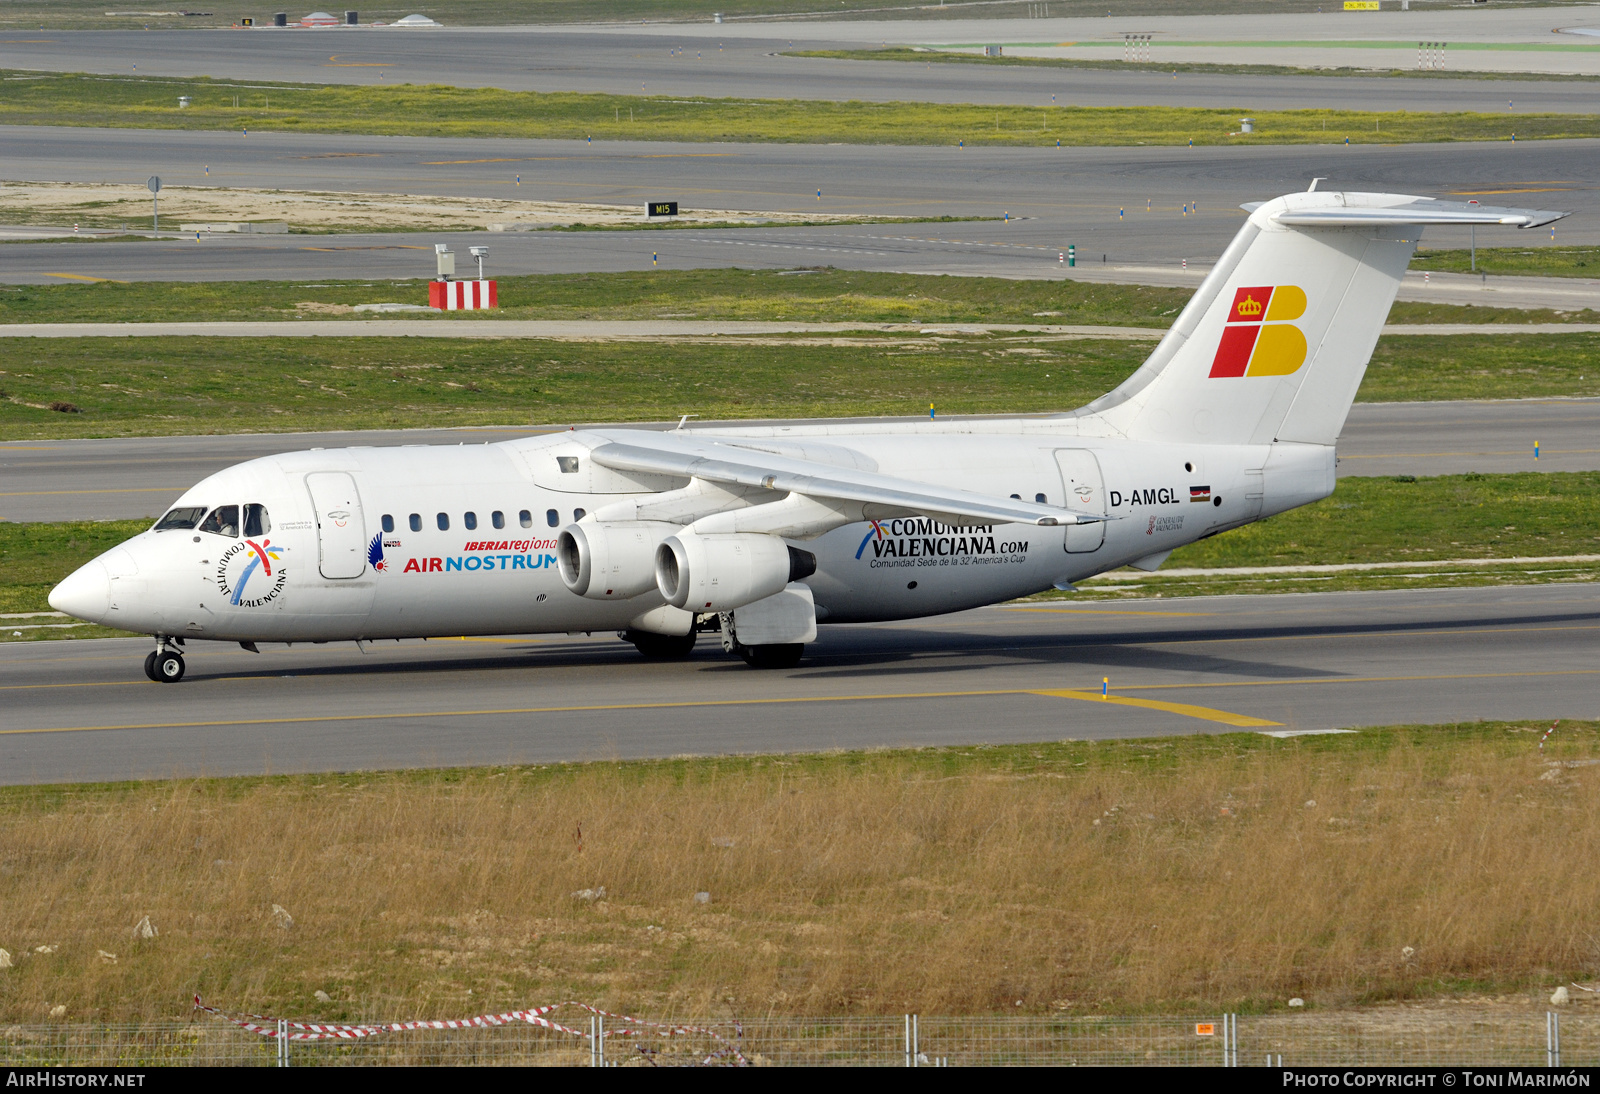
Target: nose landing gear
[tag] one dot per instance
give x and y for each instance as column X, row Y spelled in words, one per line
column 165, row 663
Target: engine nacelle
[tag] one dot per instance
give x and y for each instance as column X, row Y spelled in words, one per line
column 721, row 572
column 610, row 561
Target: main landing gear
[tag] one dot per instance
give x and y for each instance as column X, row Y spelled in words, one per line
column 784, row 656
column 677, row 647
column 660, row 647
column 165, row 663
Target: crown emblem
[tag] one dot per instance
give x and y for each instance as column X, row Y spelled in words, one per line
column 1249, row 306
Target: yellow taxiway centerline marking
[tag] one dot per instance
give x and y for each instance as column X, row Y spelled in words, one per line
column 1243, row 721
column 1100, row 611
column 638, row 156
column 1355, row 634
column 1429, row 455
column 1173, row 708
column 1185, row 709
column 1352, row 680
column 129, row 490
column 85, row 277
column 1479, row 193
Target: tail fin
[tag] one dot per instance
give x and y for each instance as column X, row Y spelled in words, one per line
column 1274, row 344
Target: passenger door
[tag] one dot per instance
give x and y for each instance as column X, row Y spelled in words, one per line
column 1086, row 493
column 341, row 529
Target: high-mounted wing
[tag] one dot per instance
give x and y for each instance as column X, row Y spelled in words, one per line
column 850, row 493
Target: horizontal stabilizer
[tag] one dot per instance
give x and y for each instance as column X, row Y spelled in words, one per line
column 1422, row 213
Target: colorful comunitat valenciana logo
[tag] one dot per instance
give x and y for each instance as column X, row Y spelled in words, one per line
column 1259, row 339
column 243, row 561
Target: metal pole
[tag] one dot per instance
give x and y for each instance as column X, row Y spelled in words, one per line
column 155, row 212
column 1474, row 238
column 908, row 1040
column 283, row 1042
column 916, row 1048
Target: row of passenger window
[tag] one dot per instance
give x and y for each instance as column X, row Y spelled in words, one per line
column 221, row 521
column 469, row 520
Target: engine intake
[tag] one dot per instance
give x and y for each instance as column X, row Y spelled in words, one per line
column 721, row 572
column 610, row 561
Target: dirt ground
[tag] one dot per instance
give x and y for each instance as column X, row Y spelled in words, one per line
column 100, row 205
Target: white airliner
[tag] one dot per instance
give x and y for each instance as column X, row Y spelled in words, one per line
column 761, row 533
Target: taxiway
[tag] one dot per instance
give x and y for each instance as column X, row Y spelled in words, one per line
column 83, row 710
column 128, row 478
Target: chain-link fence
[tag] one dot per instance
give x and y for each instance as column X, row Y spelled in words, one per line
column 1388, row 1037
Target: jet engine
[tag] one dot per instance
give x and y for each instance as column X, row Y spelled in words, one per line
column 612, row 561
column 718, row 573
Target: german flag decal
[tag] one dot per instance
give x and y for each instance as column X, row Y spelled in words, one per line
column 1260, row 339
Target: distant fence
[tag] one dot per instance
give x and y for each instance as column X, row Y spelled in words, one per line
column 1385, row 1037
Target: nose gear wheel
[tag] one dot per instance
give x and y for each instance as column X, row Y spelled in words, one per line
column 165, row 667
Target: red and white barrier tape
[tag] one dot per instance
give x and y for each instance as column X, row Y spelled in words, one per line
column 535, row 1016
column 1547, row 733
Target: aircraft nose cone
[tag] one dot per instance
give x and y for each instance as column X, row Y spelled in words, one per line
column 85, row 594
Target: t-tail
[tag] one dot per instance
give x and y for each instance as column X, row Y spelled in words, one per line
column 1274, row 344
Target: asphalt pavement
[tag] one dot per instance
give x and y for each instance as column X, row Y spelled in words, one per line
column 127, row 478
column 1147, row 210
column 84, row 711
column 743, row 60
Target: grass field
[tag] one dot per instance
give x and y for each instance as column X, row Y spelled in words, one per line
column 1383, row 520
column 1547, row 261
column 1199, row 873
column 1366, row 520
column 34, row 557
column 412, row 110
column 1113, row 63
column 819, row 294
column 1444, row 517
column 188, row 385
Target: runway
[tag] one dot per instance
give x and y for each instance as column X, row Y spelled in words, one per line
column 747, row 60
column 83, row 711
column 134, row 477
column 1126, row 204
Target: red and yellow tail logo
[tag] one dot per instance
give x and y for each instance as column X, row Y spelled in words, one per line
column 1259, row 339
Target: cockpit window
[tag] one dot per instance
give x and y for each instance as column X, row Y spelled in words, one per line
column 256, row 521
column 223, row 521
column 185, row 517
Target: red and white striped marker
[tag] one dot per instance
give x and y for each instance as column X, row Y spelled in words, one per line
column 535, row 1016
column 1547, row 733
column 463, row 295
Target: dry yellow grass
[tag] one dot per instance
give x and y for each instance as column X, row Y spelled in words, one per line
column 109, row 205
column 1102, row 878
